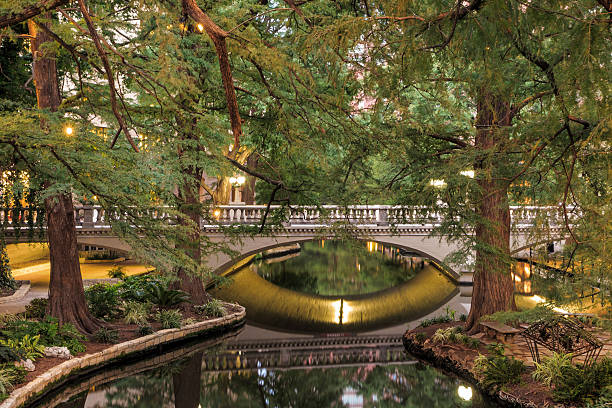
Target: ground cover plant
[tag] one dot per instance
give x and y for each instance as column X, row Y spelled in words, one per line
column 454, row 335
column 574, row 382
column 497, row 370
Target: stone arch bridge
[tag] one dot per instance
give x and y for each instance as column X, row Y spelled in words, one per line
column 410, row 228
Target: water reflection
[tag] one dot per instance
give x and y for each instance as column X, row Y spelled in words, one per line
column 336, row 287
column 192, row 382
column 337, row 267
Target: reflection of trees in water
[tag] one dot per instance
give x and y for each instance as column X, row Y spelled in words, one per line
column 152, row 389
column 339, row 268
column 183, row 385
column 375, row 386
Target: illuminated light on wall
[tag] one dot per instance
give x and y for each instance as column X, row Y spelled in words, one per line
column 465, row 393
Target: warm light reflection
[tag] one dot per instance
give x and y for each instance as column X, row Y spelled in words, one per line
column 337, row 306
column 539, row 299
column 200, row 27
column 465, row 393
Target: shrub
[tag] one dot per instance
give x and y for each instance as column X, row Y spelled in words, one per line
column 51, row 333
column 103, row 300
column 117, row 272
column 9, row 376
column 169, row 319
column 420, row 337
column 134, row 287
column 6, row 318
column 548, row 371
column 214, row 308
column 137, row 313
column 498, row 370
column 604, row 400
column 538, row 313
column 28, row 347
column 435, row 320
column 145, row 330
column 37, row 309
column 163, row 297
column 454, row 335
column 106, row 335
column 583, row 383
column 463, row 317
column 101, row 256
column 8, row 354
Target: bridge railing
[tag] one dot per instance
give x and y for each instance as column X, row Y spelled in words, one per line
column 369, row 215
column 89, row 216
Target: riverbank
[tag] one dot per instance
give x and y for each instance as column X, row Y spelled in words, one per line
column 459, row 358
column 53, row 372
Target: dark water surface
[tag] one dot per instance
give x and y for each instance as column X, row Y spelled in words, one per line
column 336, row 361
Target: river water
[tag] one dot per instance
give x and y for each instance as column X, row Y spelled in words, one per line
column 342, row 358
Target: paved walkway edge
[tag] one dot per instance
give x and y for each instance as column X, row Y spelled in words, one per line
column 19, row 293
column 115, row 353
column 504, row 399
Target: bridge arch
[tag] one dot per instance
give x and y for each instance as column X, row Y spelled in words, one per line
column 431, row 247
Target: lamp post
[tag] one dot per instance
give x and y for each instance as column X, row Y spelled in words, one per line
column 236, row 182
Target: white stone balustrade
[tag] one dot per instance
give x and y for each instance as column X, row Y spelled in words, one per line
column 95, row 217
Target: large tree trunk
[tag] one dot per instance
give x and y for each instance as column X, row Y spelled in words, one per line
column 493, row 286
column 191, row 208
column 187, row 383
column 66, row 294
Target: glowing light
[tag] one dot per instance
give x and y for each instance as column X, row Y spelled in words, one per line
column 68, row 130
column 217, row 213
column 437, row 183
column 200, row 27
column 468, row 173
column 465, row 393
column 240, row 180
column 337, row 306
column 539, row 299
column 232, row 180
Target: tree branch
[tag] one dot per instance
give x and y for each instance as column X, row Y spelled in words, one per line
column 29, row 12
column 109, row 75
column 514, row 109
column 218, row 36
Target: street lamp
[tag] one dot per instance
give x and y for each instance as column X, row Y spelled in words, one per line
column 236, row 182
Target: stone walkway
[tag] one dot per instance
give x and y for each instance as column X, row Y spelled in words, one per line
column 517, row 347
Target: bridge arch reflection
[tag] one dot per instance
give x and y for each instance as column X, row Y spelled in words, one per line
column 271, row 306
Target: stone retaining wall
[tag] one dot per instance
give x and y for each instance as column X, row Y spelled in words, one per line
column 114, row 353
column 19, row 293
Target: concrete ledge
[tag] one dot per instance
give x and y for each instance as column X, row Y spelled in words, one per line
column 19, row 293
column 112, row 354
